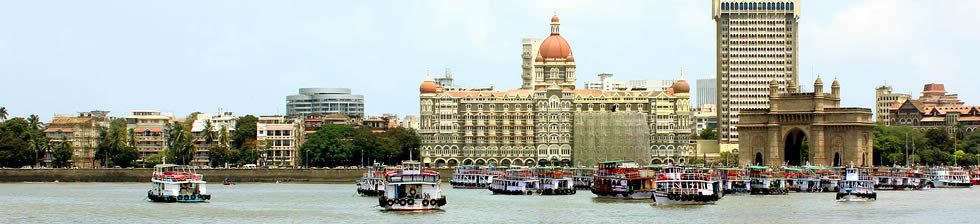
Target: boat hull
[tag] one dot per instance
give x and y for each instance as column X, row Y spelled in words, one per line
column 405, row 204
column 947, row 184
column 512, row 192
column 372, row 193
column 180, row 198
column 469, row 186
column 641, row 195
column 847, row 197
column 665, row 199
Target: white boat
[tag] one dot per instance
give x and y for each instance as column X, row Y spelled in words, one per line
column 583, row 177
column 412, row 189
column 554, row 181
column 953, row 177
column 472, row 177
column 686, row 186
column 855, row 186
column 373, row 182
column 177, row 183
column 762, row 180
column 517, row 181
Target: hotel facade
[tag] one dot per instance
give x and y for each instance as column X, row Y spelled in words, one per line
column 550, row 122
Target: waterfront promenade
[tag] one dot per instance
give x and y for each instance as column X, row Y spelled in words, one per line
column 214, row 176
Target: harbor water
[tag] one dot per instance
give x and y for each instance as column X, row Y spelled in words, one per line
column 338, row 203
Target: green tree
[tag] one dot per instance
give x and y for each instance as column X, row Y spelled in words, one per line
column 729, row 158
column 329, row 146
column 708, row 134
column 181, row 145
column 247, row 156
column 154, row 159
column 63, row 153
column 939, row 139
column 113, row 140
column 3, row 114
column 208, row 133
column 219, row 155
column 189, row 120
column 244, row 134
column 15, row 143
column 223, row 136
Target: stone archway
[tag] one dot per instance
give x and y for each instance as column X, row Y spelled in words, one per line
column 480, row 162
column 518, row 162
column 467, row 162
column 795, row 148
column 529, row 162
column 837, row 159
column 452, row 163
column 656, row 161
column 440, row 163
column 758, row 159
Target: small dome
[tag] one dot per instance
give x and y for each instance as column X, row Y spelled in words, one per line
column 428, row 87
column 539, row 58
column 681, row 86
column 835, row 83
column 554, row 19
column 818, row 81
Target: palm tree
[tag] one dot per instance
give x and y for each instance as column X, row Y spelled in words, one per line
column 34, row 122
column 208, row 132
column 223, row 136
column 3, row 113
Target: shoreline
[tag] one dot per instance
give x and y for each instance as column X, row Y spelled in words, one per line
column 213, row 176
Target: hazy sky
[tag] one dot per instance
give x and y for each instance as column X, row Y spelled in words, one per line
column 247, row 56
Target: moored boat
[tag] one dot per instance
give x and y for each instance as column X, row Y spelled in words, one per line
column 472, row 177
column 733, row 180
column 517, row 181
column 372, row 182
column 766, row 182
column 856, row 186
column 554, row 181
column 583, row 177
column 622, row 179
column 412, row 189
column 177, row 183
column 686, row 186
column 975, row 176
column 951, row 177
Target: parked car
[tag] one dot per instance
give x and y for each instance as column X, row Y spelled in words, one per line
column 249, row 166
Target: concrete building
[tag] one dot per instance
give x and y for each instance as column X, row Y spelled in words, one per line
column 834, row 135
column 884, row 100
column 410, row 121
column 650, row 85
column 279, row 140
column 704, row 117
column 605, row 83
column 756, row 43
column 536, row 125
column 151, row 130
column 226, row 120
column 325, row 101
column 707, row 92
column 81, row 131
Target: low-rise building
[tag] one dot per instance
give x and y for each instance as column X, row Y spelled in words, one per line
column 325, row 101
column 605, row 83
column 151, row 130
column 704, row 117
column 81, row 131
column 916, row 114
column 279, row 140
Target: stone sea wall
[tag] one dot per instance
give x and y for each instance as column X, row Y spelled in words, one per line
column 214, row 176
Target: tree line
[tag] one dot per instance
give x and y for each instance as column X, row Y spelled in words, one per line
column 933, row 146
column 23, row 143
column 344, row 145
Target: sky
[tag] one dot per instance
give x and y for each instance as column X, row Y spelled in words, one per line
column 61, row 57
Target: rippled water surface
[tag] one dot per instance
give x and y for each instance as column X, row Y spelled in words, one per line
column 338, row 203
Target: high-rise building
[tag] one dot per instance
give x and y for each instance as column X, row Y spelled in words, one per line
column 756, row 43
column 605, row 83
column 550, row 122
column 325, row 101
column 707, row 93
column 884, row 100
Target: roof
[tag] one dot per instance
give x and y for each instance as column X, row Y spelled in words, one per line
column 151, row 129
column 58, row 130
column 614, row 161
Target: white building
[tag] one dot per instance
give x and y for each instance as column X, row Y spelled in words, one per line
column 279, row 140
column 223, row 119
column 325, row 101
column 757, row 43
column 704, row 117
column 605, row 83
column 651, row 85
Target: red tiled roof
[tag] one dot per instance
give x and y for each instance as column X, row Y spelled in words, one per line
column 58, row 130
column 151, row 129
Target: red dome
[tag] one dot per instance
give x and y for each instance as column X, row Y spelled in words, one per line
column 555, row 47
column 428, row 87
column 554, row 19
column 681, row 86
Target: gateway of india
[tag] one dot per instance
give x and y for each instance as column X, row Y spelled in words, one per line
column 548, row 122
